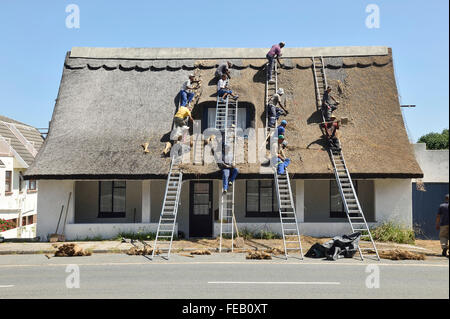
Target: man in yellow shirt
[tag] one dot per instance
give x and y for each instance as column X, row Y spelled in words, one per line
column 182, row 116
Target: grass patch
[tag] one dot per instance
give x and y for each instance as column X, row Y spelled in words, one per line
column 390, row 232
column 141, row 236
column 262, row 234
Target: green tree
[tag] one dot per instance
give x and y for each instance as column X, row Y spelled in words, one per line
column 435, row 141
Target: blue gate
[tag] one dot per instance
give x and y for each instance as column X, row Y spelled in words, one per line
column 425, row 207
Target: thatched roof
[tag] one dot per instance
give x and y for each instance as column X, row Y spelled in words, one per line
column 112, row 100
column 24, row 139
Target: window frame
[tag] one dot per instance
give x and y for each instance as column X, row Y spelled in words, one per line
column 273, row 213
column 8, row 182
column 112, row 213
column 339, row 214
column 32, row 188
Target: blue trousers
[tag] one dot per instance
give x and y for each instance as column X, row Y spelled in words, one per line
column 226, row 176
column 281, row 166
column 186, row 97
column 270, row 66
column 274, row 113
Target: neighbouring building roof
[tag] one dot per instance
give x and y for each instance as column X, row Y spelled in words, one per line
column 112, row 100
column 20, row 140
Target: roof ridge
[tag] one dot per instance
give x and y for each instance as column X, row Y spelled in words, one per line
column 220, row 53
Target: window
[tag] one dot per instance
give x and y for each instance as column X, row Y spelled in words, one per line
column 336, row 205
column 31, row 185
column 261, row 200
column 8, row 182
column 242, row 118
column 20, row 181
column 112, row 197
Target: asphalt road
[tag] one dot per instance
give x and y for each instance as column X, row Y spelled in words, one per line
column 218, row 276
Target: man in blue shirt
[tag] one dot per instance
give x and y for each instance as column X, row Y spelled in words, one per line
column 282, row 128
column 442, row 225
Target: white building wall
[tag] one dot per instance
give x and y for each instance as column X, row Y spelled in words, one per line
column 393, row 201
column 52, row 195
column 18, row 201
column 434, row 163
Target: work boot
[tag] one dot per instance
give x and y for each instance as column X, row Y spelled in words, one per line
column 230, row 183
column 271, row 81
column 444, row 252
column 224, row 191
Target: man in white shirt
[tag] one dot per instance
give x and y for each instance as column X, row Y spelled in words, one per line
column 186, row 92
column 222, row 88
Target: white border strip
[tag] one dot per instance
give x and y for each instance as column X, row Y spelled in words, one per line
column 220, row 53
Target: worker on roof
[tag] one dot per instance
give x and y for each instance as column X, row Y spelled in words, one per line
column 327, row 104
column 187, row 90
column 274, row 53
column 229, row 171
column 222, row 69
column 282, row 161
column 274, row 112
column 331, row 132
column 223, row 90
column 182, row 116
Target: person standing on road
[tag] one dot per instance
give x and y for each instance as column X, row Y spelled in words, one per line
column 442, row 225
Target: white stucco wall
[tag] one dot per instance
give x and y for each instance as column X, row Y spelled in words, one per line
column 52, row 195
column 434, row 163
column 393, row 201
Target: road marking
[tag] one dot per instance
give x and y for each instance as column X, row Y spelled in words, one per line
column 165, row 264
column 6, row 286
column 276, row 282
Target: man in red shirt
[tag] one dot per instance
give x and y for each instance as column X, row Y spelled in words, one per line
column 274, row 53
column 332, row 134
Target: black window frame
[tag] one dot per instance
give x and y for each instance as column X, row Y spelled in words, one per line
column 112, row 213
column 30, row 183
column 340, row 214
column 9, row 182
column 273, row 213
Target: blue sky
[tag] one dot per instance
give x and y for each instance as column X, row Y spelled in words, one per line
column 34, row 41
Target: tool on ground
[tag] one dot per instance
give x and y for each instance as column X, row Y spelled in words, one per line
column 344, row 182
column 56, row 237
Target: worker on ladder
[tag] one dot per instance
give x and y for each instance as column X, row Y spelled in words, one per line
column 229, row 171
column 222, row 69
column 281, row 129
column 223, row 90
column 273, row 110
column 274, row 53
column 328, row 107
column 331, row 132
column 282, row 161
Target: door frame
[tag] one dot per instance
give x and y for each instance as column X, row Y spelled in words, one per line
column 191, row 206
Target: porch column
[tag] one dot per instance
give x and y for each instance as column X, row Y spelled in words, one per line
column 300, row 200
column 146, row 201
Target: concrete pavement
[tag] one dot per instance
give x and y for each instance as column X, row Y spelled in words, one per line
column 219, row 276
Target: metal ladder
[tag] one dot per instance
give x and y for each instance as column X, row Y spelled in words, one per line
column 352, row 206
column 288, row 217
column 226, row 123
column 167, row 219
column 271, row 89
column 344, row 182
